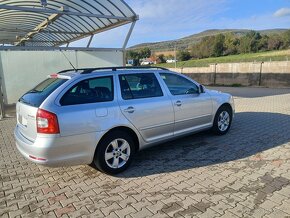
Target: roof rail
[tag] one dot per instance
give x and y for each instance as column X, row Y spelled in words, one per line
column 90, row 70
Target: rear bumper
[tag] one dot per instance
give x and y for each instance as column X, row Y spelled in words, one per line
column 56, row 151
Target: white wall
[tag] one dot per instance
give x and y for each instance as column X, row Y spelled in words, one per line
column 20, row 71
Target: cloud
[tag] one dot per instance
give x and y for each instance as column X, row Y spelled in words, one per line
column 282, row 12
column 175, row 9
column 172, row 19
column 256, row 22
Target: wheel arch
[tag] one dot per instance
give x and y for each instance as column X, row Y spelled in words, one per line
column 131, row 132
column 226, row 104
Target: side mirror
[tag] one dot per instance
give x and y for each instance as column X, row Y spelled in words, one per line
column 201, row 89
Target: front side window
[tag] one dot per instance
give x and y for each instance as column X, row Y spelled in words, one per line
column 178, row 85
column 94, row 90
column 141, row 85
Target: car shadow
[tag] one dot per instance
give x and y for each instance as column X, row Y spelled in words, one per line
column 251, row 92
column 251, row 133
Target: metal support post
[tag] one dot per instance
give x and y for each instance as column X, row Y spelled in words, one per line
column 215, row 71
column 2, row 109
column 90, row 40
column 260, row 75
column 128, row 35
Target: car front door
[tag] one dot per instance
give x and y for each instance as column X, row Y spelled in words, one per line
column 192, row 109
column 146, row 106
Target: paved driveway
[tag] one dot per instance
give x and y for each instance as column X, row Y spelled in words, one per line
column 245, row 173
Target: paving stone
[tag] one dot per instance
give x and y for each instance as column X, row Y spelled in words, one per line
column 125, row 211
column 143, row 213
column 62, row 211
column 245, row 173
column 285, row 207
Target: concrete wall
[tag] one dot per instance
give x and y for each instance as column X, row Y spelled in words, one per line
column 269, row 74
column 20, row 71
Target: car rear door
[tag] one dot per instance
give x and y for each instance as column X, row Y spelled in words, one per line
column 87, row 105
column 193, row 110
column 146, row 105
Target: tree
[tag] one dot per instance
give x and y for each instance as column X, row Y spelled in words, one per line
column 275, row 42
column 286, row 39
column 218, row 46
column 263, row 43
column 254, row 38
column 136, row 55
column 183, row 55
column 204, row 48
column 161, row 58
column 145, row 52
column 231, row 44
column 250, row 42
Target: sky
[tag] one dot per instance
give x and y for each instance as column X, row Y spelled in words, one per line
column 161, row 20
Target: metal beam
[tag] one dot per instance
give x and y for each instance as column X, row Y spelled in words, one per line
column 44, row 48
column 90, row 40
column 84, row 35
column 65, row 12
column 43, row 25
column 128, row 35
column 44, row 31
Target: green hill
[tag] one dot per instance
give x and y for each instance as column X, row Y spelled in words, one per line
column 186, row 42
column 268, row 56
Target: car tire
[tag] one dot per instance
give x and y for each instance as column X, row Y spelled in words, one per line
column 223, row 120
column 115, row 152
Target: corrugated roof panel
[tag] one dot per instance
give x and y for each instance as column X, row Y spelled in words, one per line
column 27, row 22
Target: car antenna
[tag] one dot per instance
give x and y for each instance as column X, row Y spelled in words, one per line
column 68, row 60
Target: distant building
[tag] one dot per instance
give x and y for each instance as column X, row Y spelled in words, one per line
column 147, row 61
column 171, row 61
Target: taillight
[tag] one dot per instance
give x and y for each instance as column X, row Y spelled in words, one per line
column 46, row 122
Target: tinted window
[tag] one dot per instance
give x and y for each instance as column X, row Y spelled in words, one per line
column 36, row 96
column 141, row 85
column 89, row 91
column 178, row 85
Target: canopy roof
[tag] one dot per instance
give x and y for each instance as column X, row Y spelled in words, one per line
column 58, row 22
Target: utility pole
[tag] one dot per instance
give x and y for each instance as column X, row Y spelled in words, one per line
column 175, row 54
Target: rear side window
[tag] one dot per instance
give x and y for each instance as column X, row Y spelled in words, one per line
column 141, row 85
column 37, row 95
column 94, row 90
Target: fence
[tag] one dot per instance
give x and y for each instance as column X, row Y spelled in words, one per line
column 267, row 74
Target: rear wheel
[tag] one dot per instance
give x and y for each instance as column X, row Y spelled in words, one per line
column 115, row 152
column 222, row 120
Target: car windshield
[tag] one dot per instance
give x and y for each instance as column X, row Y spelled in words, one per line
column 37, row 95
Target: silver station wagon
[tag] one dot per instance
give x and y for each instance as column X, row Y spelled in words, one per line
column 105, row 115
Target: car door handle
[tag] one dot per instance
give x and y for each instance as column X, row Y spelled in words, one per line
column 178, row 103
column 130, row 110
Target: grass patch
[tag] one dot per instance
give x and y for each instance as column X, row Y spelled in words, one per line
column 250, row 57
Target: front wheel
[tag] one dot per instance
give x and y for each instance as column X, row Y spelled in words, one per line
column 222, row 120
column 115, row 152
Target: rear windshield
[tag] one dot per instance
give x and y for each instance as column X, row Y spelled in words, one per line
column 36, row 96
